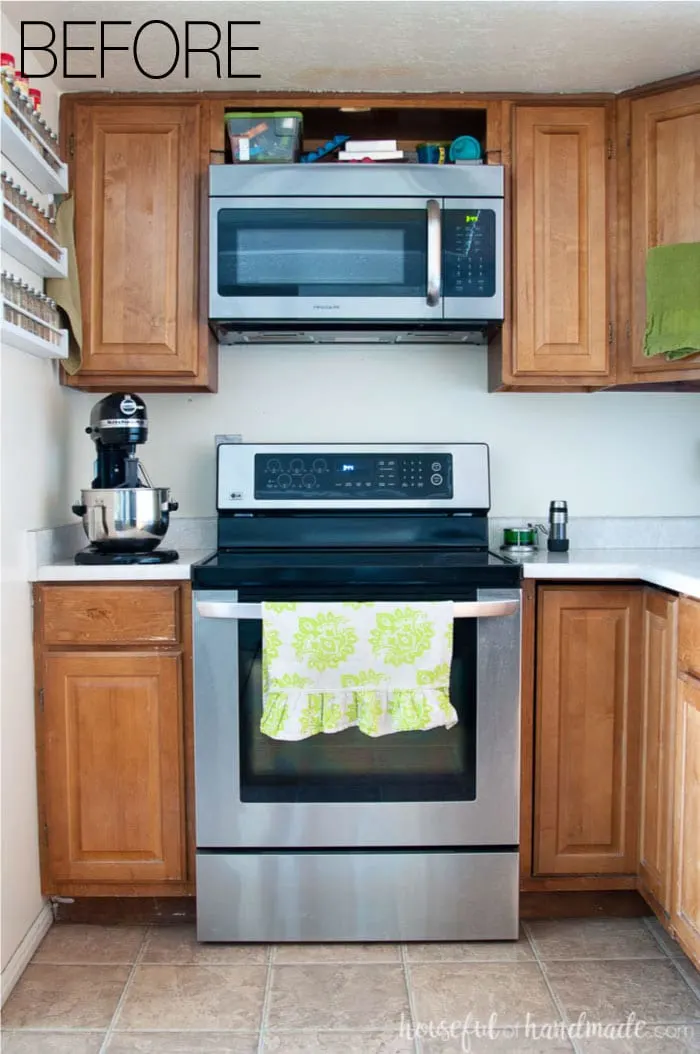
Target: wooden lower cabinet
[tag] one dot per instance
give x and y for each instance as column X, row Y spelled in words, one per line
column 685, row 902
column 113, row 742
column 659, row 665
column 689, row 637
column 586, row 796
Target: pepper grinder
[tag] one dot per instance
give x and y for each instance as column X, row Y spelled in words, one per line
column 557, row 542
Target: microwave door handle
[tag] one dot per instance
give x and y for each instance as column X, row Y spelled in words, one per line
column 434, row 252
column 464, row 609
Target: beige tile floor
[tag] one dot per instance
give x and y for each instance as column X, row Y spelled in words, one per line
column 134, row 990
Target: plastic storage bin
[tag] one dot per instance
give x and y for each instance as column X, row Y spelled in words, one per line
column 273, row 137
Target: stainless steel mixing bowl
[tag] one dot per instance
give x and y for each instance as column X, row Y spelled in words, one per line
column 125, row 519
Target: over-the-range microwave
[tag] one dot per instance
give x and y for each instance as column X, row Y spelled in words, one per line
column 355, row 251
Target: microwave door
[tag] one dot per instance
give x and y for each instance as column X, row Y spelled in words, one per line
column 472, row 261
column 326, row 259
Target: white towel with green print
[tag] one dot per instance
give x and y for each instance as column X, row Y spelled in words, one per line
column 380, row 667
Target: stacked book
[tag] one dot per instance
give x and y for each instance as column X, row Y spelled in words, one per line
column 370, row 150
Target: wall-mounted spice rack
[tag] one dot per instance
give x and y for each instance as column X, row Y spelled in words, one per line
column 21, row 338
column 30, row 321
column 28, row 248
column 49, row 176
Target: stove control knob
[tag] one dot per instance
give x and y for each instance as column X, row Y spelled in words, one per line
column 308, row 481
column 436, row 479
column 284, row 481
column 274, row 466
column 296, row 465
column 319, row 464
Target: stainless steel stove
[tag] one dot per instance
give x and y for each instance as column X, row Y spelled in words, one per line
column 412, row 836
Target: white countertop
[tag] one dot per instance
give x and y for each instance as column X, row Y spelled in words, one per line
column 675, row 569
column 67, row 571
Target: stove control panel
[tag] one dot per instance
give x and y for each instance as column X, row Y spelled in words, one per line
column 352, row 476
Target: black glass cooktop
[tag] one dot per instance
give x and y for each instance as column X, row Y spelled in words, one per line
column 445, row 568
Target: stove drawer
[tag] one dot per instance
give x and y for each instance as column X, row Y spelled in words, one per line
column 357, row 896
column 103, row 614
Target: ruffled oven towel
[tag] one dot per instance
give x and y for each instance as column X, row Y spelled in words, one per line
column 380, row 666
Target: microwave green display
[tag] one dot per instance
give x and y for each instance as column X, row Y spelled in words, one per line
column 471, row 218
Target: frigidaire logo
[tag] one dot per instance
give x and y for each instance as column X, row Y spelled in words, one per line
column 193, row 47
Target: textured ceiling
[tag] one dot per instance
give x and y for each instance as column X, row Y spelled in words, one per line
column 396, row 46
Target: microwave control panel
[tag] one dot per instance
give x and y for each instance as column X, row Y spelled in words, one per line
column 353, row 476
column 470, row 252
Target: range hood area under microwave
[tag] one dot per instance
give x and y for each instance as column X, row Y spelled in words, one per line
column 355, row 253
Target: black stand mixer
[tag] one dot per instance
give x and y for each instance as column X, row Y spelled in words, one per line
column 124, row 516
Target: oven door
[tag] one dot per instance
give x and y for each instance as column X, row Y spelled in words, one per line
column 456, row 787
column 318, row 259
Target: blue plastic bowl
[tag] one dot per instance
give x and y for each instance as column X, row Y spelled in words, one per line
column 465, row 148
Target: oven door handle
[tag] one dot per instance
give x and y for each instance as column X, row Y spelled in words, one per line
column 462, row 609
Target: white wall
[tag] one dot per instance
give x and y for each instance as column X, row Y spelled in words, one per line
column 34, row 493
column 616, row 454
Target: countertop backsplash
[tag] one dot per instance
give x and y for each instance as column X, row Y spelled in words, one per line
column 613, row 532
column 52, row 545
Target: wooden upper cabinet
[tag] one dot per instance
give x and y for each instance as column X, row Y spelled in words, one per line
column 665, row 206
column 111, row 739
column 560, row 323
column 587, row 730
column 659, row 675
column 685, row 916
column 138, row 179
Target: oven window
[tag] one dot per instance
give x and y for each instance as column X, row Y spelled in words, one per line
column 322, row 252
column 348, row 766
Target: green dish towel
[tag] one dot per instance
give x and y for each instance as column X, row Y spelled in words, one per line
column 673, row 301
column 379, row 667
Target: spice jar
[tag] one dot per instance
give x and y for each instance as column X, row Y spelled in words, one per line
column 22, row 83
column 14, row 193
column 43, row 129
column 7, row 71
column 35, row 96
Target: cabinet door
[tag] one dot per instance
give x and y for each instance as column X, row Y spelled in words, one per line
column 587, row 730
column 658, row 723
column 560, row 269
column 685, row 917
column 136, row 178
column 665, row 209
column 113, row 777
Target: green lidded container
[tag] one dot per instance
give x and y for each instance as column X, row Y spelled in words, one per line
column 272, row 137
column 520, row 536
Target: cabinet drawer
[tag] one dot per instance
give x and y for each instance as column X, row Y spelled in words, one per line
column 689, row 636
column 100, row 614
